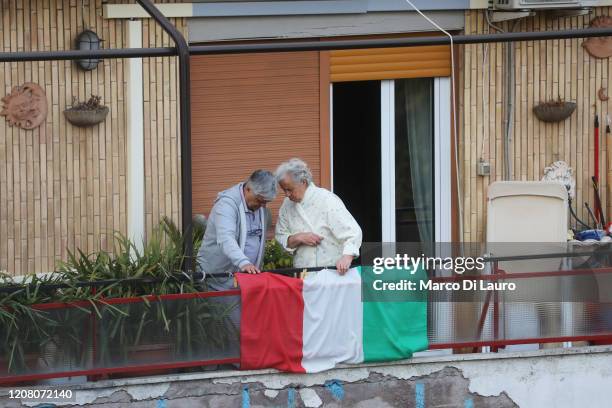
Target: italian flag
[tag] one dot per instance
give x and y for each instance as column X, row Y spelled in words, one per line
column 311, row 325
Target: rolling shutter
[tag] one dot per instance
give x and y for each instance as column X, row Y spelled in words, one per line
column 390, row 63
column 251, row 111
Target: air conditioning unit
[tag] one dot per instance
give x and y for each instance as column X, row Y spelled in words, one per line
column 541, row 4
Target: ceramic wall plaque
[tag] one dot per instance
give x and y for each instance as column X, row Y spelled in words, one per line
column 599, row 47
column 25, row 106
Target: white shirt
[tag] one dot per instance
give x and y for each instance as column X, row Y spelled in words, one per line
column 323, row 213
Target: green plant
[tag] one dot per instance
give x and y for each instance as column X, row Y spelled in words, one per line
column 276, row 257
column 186, row 326
column 159, row 263
column 26, row 331
column 93, row 103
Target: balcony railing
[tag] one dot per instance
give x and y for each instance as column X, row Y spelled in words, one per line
column 154, row 334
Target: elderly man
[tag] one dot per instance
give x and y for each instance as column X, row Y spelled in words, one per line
column 236, row 231
column 313, row 222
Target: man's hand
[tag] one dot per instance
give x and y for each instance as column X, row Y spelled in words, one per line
column 250, row 268
column 344, row 263
column 304, row 238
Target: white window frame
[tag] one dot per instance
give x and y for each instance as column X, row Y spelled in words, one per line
column 442, row 159
column 387, row 159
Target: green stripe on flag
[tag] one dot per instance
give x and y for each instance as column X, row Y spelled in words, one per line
column 395, row 325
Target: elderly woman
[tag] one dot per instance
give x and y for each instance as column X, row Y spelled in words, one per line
column 313, row 222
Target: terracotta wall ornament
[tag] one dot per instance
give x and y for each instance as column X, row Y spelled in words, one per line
column 25, row 106
column 599, row 47
column 602, row 94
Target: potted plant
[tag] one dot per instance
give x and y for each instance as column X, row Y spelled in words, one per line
column 151, row 330
column 55, row 323
column 554, row 111
column 87, row 113
column 34, row 338
column 275, row 256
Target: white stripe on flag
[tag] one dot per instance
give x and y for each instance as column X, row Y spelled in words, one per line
column 333, row 320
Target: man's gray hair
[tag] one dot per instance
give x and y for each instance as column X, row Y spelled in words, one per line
column 297, row 169
column 263, row 183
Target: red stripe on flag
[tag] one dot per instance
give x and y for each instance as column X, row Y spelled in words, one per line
column 271, row 322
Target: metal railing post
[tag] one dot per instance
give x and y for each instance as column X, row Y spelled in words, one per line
column 495, row 307
column 185, row 117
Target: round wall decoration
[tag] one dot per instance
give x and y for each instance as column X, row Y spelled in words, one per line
column 599, row 47
column 25, row 106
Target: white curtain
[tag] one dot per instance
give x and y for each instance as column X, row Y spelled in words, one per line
column 415, row 97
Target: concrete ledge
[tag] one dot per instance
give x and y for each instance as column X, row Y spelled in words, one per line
column 451, row 358
column 552, row 377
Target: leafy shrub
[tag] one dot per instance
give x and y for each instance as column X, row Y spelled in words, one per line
column 29, row 334
column 275, row 256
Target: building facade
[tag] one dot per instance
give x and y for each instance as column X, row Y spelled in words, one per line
column 375, row 125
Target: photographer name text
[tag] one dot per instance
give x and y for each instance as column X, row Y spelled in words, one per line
column 467, row 285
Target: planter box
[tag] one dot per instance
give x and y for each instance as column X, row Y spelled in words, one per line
column 147, row 354
column 30, row 361
column 85, row 118
column 554, row 111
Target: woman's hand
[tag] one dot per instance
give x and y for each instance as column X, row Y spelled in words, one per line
column 304, row 238
column 344, row 263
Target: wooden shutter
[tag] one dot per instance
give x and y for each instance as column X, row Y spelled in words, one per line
column 390, row 63
column 251, row 111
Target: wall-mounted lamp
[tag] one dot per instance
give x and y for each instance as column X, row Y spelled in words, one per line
column 88, row 40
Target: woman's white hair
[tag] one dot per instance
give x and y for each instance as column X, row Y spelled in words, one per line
column 297, row 169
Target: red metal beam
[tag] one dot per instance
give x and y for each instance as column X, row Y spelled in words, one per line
column 523, row 275
column 115, row 370
column 509, row 342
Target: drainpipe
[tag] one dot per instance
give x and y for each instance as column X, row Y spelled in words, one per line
column 510, row 84
column 185, row 117
column 509, row 120
column 510, row 96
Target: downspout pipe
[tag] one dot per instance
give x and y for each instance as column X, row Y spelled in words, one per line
column 185, row 118
column 509, row 119
column 510, row 98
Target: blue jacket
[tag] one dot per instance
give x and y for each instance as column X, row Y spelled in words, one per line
column 222, row 248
